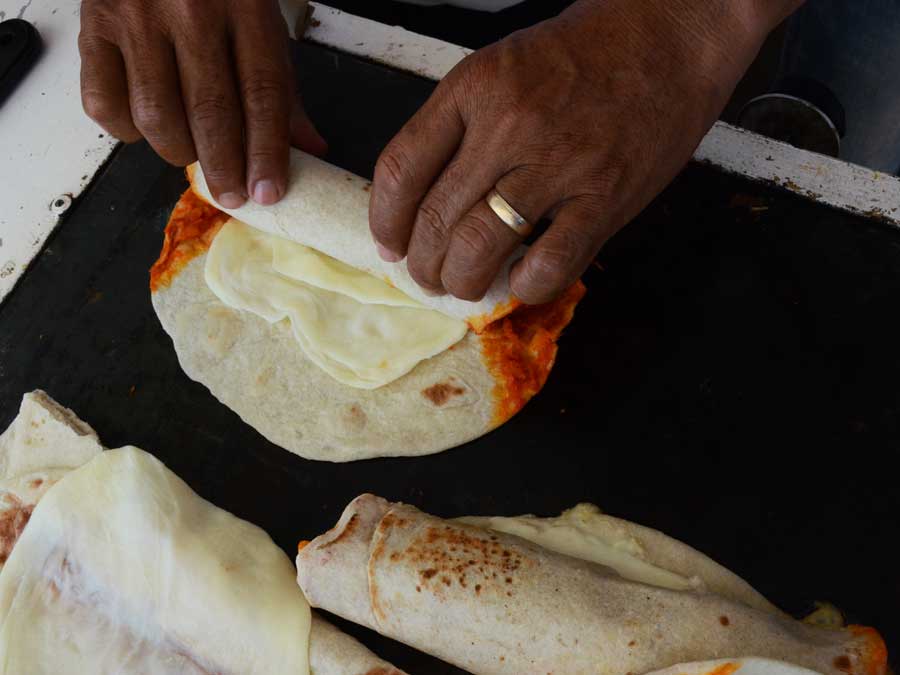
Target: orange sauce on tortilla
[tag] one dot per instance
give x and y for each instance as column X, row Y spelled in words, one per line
column 518, row 341
column 189, row 233
column 725, row 669
column 520, row 349
column 874, row 653
column 482, row 321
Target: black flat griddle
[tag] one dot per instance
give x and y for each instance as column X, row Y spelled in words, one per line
column 732, row 377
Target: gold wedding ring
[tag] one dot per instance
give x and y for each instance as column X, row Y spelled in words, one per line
column 508, row 214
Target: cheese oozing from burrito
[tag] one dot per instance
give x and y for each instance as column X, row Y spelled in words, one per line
column 360, row 330
column 583, row 533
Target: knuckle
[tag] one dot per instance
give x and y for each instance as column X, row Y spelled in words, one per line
column 605, row 180
column 474, row 239
column 264, row 94
column 149, row 114
column 193, row 14
column 547, row 273
column 97, row 17
column 394, row 171
column 101, row 107
column 431, row 224
column 265, row 157
column 210, row 108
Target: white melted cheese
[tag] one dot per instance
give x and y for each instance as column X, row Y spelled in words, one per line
column 124, row 569
column 358, row 329
column 582, row 533
column 751, row 666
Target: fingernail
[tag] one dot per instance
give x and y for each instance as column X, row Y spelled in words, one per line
column 386, row 255
column 265, row 192
column 232, row 200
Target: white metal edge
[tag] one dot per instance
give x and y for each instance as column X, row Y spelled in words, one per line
column 392, row 46
column 823, row 179
column 817, row 177
column 49, row 150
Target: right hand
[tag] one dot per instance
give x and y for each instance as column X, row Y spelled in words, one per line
column 199, row 79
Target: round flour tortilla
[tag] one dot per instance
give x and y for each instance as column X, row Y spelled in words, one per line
column 258, row 370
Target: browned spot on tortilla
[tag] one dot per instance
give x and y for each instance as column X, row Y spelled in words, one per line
column 382, row 670
column 346, row 532
column 442, row 392
column 442, row 552
column 35, row 483
column 843, row 663
column 724, row 620
column 12, row 521
column 354, row 418
column 632, row 643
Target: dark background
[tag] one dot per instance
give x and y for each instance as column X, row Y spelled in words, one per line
column 731, row 377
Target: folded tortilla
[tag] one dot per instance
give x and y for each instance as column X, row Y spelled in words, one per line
column 255, row 365
column 44, row 443
column 119, row 567
column 327, row 209
column 495, row 603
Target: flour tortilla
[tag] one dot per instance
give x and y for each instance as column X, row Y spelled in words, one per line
column 736, row 667
column 231, row 611
column 258, row 370
column 44, row 442
column 496, row 604
column 327, row 208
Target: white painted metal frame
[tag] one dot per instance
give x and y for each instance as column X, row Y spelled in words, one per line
column 49, row 151
column 830, row 181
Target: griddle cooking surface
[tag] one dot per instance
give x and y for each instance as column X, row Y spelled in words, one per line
column 731, row 377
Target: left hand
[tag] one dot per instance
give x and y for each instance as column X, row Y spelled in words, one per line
column 583, row 119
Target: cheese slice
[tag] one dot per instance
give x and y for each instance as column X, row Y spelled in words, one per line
column 358, row 329
column 123, row 568
column 743, row 666
column 581, row 533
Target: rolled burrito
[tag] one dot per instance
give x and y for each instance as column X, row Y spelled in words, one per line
column 498, row 604
column 327, row 209
column 113, row 565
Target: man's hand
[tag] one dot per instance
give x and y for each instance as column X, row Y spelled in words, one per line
column 207, row 79
column 582, row 119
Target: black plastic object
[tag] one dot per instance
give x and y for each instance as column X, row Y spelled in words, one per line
column 731, row 377
column 799, row 111
column 20, row 45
